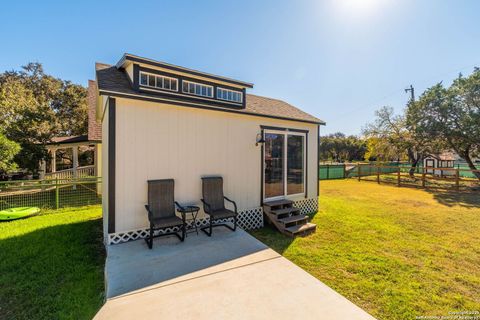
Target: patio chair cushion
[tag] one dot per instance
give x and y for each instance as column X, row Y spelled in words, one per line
column 167, row 222
column 213, row 193
column 222, row 214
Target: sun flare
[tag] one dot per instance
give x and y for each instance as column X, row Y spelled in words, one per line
column 359, row 7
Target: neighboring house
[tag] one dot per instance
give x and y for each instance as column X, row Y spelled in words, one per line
column 91, row 140
column 163, row 121
column 443, row 160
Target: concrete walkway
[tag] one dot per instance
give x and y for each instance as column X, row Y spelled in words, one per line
column 229, row 276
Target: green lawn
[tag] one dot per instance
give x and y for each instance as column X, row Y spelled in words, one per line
column 396, row 252
column 51, row 265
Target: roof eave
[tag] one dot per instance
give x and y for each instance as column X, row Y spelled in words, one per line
column 130, row 57
column 153, row 99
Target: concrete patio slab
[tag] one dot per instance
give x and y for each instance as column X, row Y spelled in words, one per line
column 229, row 276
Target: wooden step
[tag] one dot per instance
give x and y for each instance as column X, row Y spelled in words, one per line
column 301, row 229
column 294, row 219
column 277, row 203
column 283, row 211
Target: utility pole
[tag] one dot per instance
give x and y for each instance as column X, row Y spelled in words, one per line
column 412, row 93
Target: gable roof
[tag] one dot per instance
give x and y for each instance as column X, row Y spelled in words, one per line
column 115, row 82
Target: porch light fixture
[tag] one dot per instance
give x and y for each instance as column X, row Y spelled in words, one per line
column 259, row 139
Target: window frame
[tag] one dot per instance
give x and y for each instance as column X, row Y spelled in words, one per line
column 149, row 74
column 240, row 93
column 200, row 86
column 286, row 133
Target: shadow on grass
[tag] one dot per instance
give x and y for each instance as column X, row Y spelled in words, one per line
column 453, row 198
column 53, row 273
column 448, row 197
column 273, row 238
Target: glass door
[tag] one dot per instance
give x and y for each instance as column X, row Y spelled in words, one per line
column 284, row 164
column 274, row 163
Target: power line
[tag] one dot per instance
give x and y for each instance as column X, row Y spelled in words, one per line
column 396, row 91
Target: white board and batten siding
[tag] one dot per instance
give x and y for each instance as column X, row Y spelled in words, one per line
column 160, row 141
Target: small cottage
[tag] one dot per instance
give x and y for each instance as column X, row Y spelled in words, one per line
column 444, row 160
column 161, row 121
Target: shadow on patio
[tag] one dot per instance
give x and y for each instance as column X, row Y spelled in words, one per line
column 132, row 266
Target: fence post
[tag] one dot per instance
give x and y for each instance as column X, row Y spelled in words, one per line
column 398, row 176
column 378, row 174
column 328, row 171
column 344, row 171
column 423, row 178
column 57, row 198
column 359, row 171
column 457, row 179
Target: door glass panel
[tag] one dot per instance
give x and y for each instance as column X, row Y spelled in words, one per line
column 295, row 164
column 274, row 160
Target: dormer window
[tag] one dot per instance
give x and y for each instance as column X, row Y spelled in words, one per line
column 159, row 82
column 198, row 89
column 229, row 95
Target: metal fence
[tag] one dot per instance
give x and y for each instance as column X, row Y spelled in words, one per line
column 50, row 193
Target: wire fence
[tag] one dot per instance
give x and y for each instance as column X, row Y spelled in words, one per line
column 51, row 193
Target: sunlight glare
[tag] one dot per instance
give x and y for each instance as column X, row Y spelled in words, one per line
column 359, row 8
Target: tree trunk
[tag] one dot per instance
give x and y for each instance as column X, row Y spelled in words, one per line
column 471, row 165
column 413, row 167
column 414, row 161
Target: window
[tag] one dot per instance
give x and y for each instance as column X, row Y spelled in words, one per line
column 160, row 82
column 229, row 95
column 197, row 89
column 284, row 164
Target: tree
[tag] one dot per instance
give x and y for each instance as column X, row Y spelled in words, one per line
column 380, row 149
column 452, row 115
column 339, row 147
column 401, row 135
column 35, row 106
column 71, row 109
column 8, row 150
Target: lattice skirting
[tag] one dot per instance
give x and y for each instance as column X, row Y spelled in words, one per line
column 307, row 206
column 248, row 219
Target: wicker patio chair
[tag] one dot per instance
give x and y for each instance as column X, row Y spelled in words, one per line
column 161, row 210
column 214, row 204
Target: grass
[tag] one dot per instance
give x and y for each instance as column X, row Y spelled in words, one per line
column 51, row 265
column 396, row 252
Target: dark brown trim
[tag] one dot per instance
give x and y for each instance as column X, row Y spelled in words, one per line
column 192, row 105
column 317, row 179
column 136, row 77
column 305, row 182
column 262, row 163
column 111, row 163
column 180, row 69
column 283, row 129
column 192, row 97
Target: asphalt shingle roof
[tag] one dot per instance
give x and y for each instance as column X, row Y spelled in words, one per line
column 109, row 78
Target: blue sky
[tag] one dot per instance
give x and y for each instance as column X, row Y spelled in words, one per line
column 339, row 60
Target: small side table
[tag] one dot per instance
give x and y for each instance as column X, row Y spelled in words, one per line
column 194, row 211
